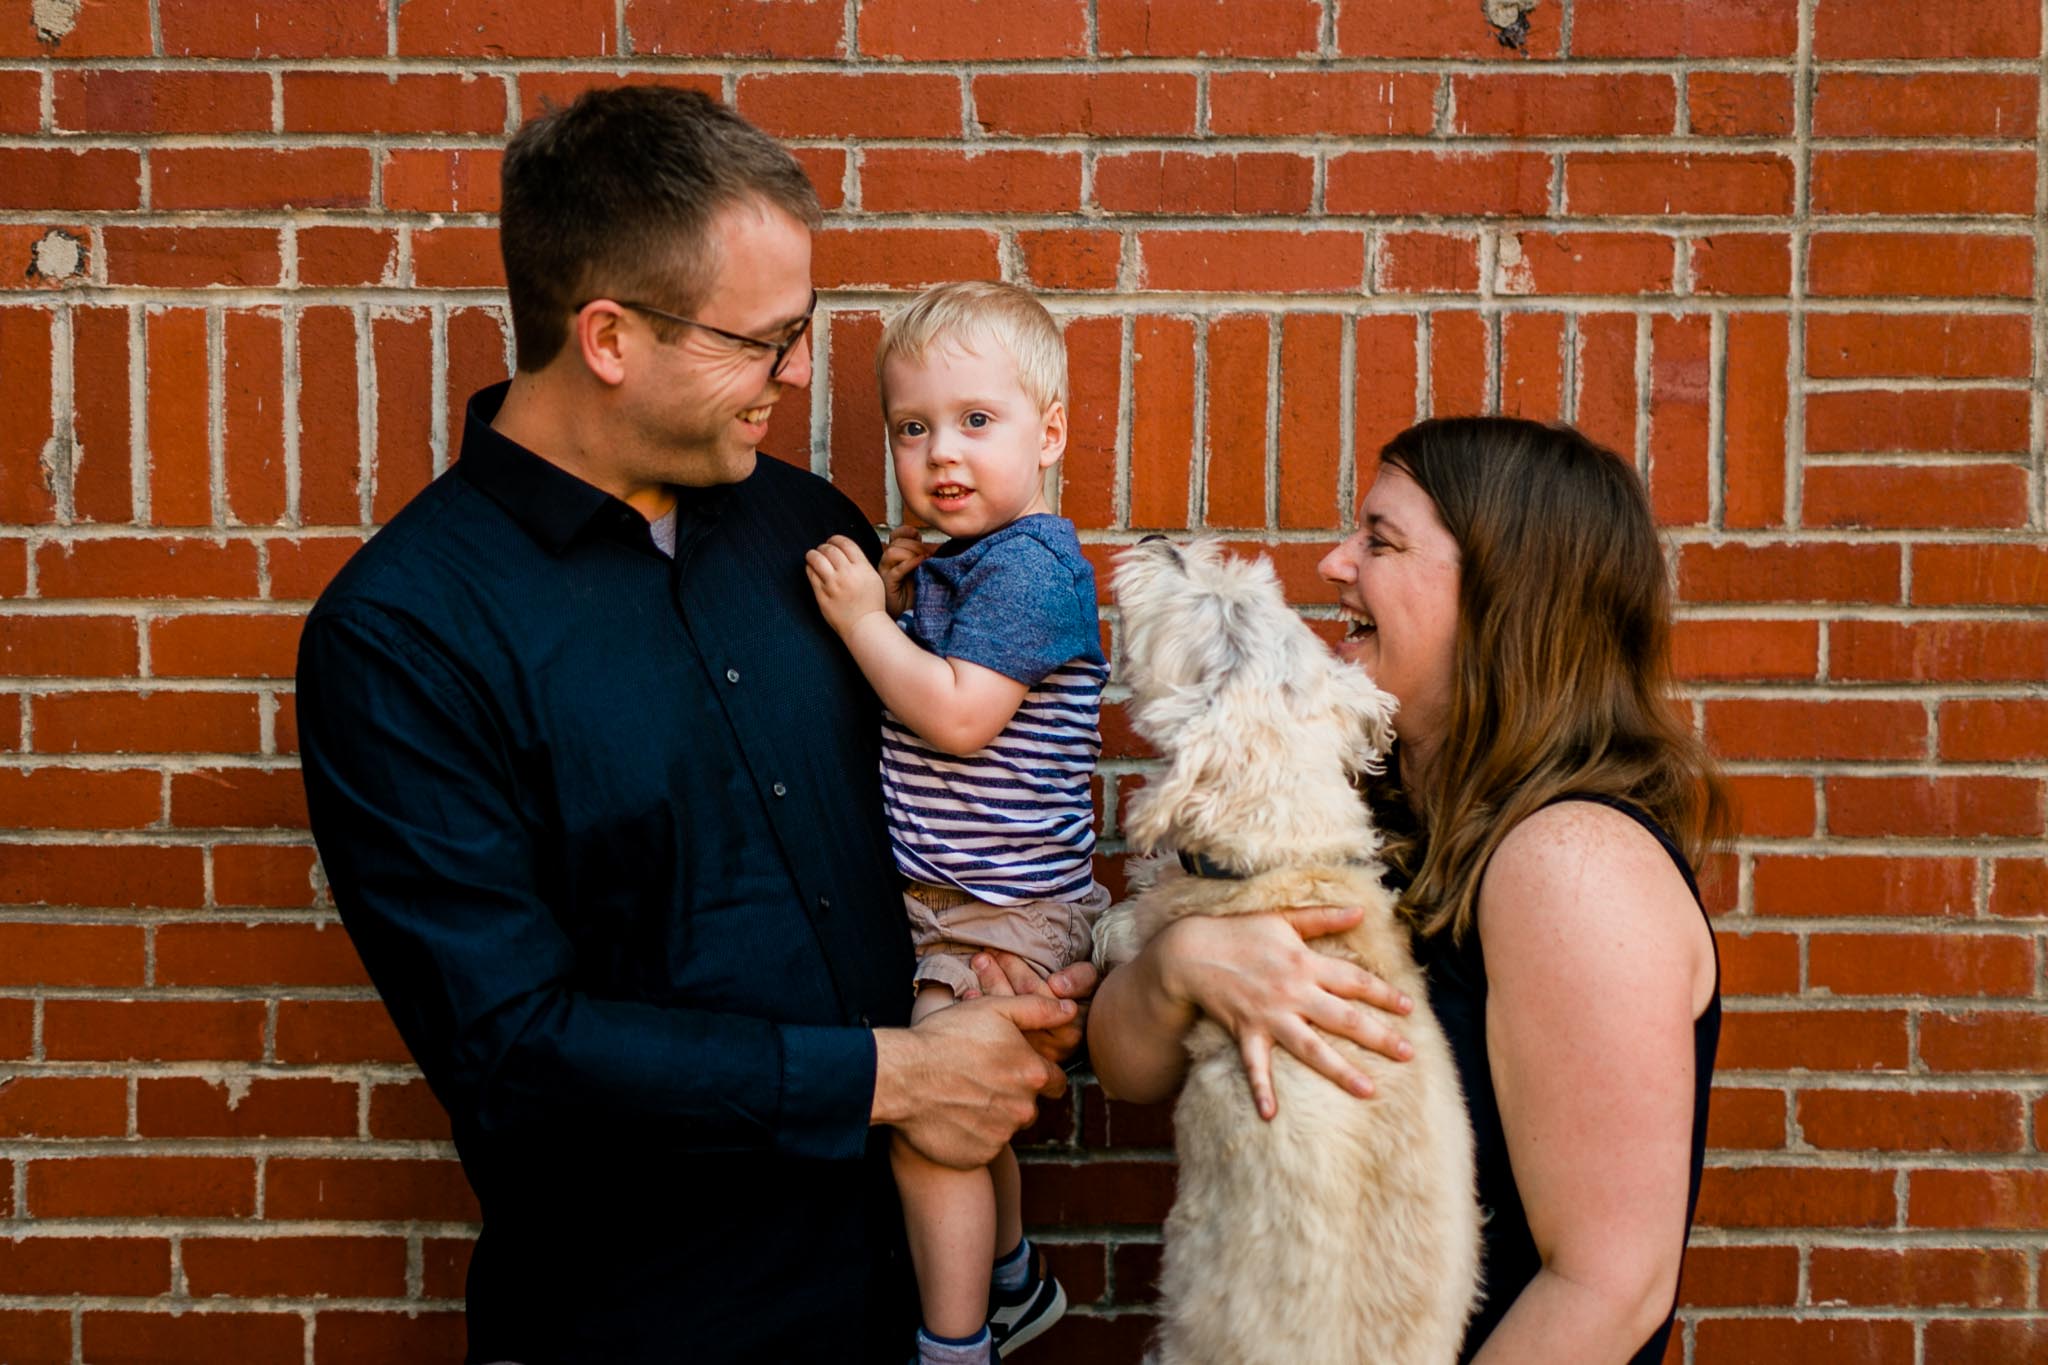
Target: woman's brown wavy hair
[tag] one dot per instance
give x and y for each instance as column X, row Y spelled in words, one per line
column 1562, row 679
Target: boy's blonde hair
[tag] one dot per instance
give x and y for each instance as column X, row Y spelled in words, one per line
column 974, row 314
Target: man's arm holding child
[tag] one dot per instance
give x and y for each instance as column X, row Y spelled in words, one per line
column 952, row 704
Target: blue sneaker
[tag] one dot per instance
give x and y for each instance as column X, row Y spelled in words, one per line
column 1023, row 1314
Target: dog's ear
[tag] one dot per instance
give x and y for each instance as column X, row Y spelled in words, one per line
column 1365, row 715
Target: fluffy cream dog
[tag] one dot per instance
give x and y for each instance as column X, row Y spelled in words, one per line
column 1345, row 1230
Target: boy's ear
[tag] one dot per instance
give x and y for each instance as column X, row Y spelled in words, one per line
column 1055, row 443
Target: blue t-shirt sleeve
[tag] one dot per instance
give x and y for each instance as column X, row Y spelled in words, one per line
column 1021, row 611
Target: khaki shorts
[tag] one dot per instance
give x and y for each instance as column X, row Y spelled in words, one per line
column 948, row 927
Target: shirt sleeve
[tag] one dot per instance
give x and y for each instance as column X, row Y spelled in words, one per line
column 1019, row 613
column 436, row 870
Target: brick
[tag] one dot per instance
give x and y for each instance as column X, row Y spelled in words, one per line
column 1941, row 346
column 542, row 89
column 1920, row 264
column 298, row 954
column 25, row 352
column 1584, row 263
column 21, row 101
column 70, row 798
column 1091, row 103
column 407, row 1112
column 1425, row 263
column 1894, row 1121
column 783, row 29
column 1943, row 964
column 263, row 875
column 457, row 258
column 1923, row 104
column 245, row 1107
column 1756, row 728
column 1828, row 885
column 1916, row 496
column 102, row 486
column 860, row 449
column 67, row 646
column 99, row 875
column 1253, row 260
column 1212, row 28
column 153, row 1030
column 1755, row 403
column 17, row 1022
column 259, row 178
column 1934, row 807
column 331, row 256
column 1758, row 962
column 61, row 1107
column 1746, row 1121
column 330, row 437
column 1984, row 1040
column 157, row 102
column 2021, row 1338
column 1528, row 105
column 1532, row 366
column 147, row 567
column 902, row 258
column 69, row 954
column 282, row 28
column 1745, row 651
column 1993, row 731
column 1234, row 439
column 1435, row 29
column 1082, row 1270
column 1920, row 1277
column 238, row 797
column 1088, row 472
column 132, row 1267
column 1813, row 1040
column 150, row 1338
column 478, row 355
column 1963, row 651
column 970, row 30
column 375, row 102
column 1741, row 264
column 1772, row 807
column 825, row 168
column 1100, row 1192
column 1923, row 183
column 53, row 179
column 502, row 28
column 1738, row 104
column 294, row 1267
column 1987, row 421
column 143, row 1187
column 1334, row 103
column 1845, row 31
column 2019, row 888
column 1308, row 432
column 926, row 180
column 1681, row 381
column 871, row 104
column 445, row 1266
column 337, row 1031
column 180, row 461
column 1981, row 574
column 1162, row 420
column 1739, row 1276
column 1793, row 1197
column 301, row 568
column 1684, row 28
column 1447, row 184
column 372, row 1338
column 1802, row 1341
column 346, row 1189
column 1977, row 1200
column 1680, row 185
column 1458, row 363
column 106, row 28
column 193, row 257
column 436, row 180
column 1606, row 365
column 402, row 462
column 1072, row 258
column 1185, row 183
column 145, row 722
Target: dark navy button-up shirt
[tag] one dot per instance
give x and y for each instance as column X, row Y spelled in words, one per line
column 606, row 830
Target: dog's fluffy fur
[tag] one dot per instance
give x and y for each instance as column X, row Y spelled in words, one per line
column 1345, row 1230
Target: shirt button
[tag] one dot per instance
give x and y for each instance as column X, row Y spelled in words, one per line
column 732, row 675
column 864, row 1022
column 779, row 789
column 824, row 902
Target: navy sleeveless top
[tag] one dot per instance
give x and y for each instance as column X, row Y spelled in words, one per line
column 1457, row 993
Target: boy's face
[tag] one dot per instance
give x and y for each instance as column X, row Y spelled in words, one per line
column 971, row 447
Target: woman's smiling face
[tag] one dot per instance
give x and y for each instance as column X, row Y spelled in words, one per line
column 1397, row 584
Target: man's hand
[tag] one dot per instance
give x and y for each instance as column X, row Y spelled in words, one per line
column 904, row 552
column 958, row 1085
column 1006, row 974
column 847, row 586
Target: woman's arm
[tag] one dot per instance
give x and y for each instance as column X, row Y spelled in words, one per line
column 1255, row 975
column 1597, row 963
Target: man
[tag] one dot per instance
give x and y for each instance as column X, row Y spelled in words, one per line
column 595, row 787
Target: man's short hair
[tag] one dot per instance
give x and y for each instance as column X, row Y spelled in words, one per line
column 613, row 197
column 975, row 314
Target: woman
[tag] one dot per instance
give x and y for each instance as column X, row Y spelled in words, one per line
column 1507, row 586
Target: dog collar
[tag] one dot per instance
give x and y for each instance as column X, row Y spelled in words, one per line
column 1202, row 865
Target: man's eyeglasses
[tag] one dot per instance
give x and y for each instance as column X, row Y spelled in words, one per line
column 780, row 349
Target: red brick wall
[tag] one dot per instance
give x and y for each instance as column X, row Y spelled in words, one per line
column 1785, row 253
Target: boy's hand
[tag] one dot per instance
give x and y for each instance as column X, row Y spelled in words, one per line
column 847, row 586
column 904, row 552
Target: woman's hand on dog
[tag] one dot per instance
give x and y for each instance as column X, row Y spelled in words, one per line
column 1256, row 976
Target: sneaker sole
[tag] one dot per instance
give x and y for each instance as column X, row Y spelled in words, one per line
column 1034, row 1330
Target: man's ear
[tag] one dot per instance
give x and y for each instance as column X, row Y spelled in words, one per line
column 1055, row 441
column 597, row 337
